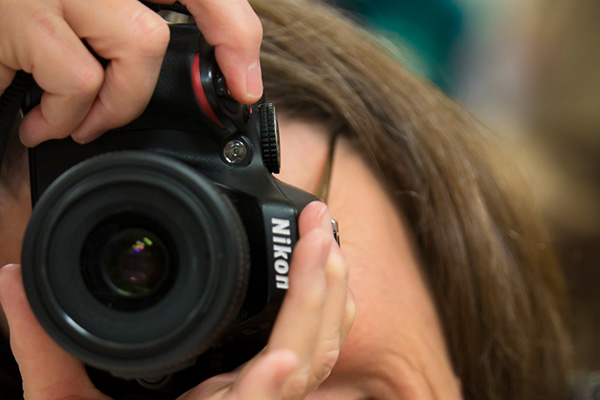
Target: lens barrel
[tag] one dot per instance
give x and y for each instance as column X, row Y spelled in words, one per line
column 135, row 262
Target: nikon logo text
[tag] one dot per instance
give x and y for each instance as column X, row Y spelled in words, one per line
column 281, row 251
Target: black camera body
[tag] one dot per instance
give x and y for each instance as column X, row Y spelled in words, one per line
column 159, row 253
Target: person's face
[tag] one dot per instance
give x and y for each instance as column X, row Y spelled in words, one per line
column 395, row 349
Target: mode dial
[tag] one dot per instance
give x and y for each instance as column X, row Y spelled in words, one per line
column 269, row 130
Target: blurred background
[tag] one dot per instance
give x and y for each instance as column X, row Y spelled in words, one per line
column 530, row 70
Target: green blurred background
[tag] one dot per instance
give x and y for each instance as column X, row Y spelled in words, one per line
column 530, row 70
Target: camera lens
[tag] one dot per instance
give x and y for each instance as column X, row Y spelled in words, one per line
column 135, row 262
column 126, row 261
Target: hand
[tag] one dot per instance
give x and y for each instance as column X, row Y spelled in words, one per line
column 81, row 99
column 314, row 321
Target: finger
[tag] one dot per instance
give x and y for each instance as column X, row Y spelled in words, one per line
column 337, row 312
column 262, row 380
column 317, row 216
column 236, row 32
column 69, row 75
column 349, row 316
column 329, row 340
column 302, row 306
column 266, row 378
column 134, row 39
column 48, row 372
column 314, row 216
column 6, row 77
column 299, row 321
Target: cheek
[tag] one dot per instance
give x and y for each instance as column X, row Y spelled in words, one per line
column 382, row 319
column 396, row 335
column 395, row 313
column 366, row 341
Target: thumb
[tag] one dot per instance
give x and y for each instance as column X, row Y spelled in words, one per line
column 47, row 370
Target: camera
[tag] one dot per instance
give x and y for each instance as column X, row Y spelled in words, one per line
column 159, row 253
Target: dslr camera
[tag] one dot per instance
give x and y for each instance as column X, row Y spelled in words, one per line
column 159, row 253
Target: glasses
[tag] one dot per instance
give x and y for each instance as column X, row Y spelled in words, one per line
column 325, row 183
column 325, row 180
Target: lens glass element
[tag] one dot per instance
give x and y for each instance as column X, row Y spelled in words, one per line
column 128, row 261
column 135, row 262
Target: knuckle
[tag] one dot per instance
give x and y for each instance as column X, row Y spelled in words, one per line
column 253, row 39
column 255, row 29
column 295, row 387
column 324, row 364
column 31, row 53
column 88, row 79
column 45, row 21
column 337, row 270
column 247, row 36
column 150, row 33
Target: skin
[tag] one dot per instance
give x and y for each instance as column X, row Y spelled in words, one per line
column 396, row 349
column 83, row 100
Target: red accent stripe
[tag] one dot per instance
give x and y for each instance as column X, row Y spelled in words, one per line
column 200, row 94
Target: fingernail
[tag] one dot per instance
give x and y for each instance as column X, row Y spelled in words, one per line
column 254, row 84
column 325, row 218
column 84, row 137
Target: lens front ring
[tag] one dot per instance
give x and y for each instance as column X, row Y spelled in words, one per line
column 201, row 225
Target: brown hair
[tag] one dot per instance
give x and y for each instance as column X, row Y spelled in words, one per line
column 496, row 284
